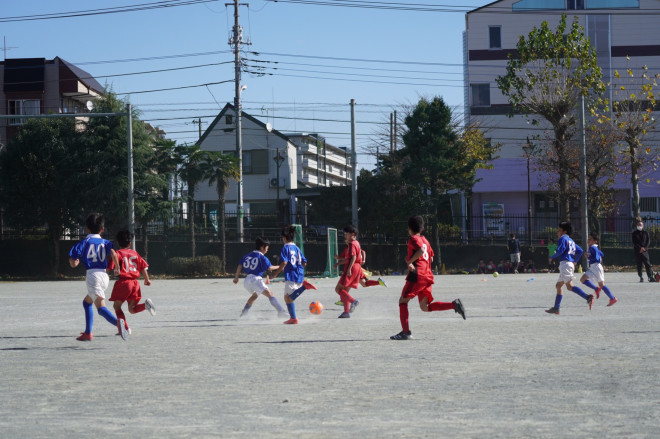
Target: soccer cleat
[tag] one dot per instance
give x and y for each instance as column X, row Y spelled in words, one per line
column 552, row 310
column 402, row 336
column 590, row 301
column 150, row 307
column 85, row 337
column 123, row 330
column 308, row 286
column 641, row 279
column 613, row 301
column 339, row 302
column 381, row 282
column 291, row 322
column 344, row 315
column 354, row 305
column 597, row 293
column 458, row 308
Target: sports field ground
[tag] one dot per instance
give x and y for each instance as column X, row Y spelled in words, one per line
column 194, row 370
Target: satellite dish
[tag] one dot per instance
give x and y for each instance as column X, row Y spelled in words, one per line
column 89, row 105
column 269, row 127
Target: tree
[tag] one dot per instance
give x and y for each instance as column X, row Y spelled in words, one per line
column 192, row 171
column 548, row 74
column 632, row 119
column 39, row 179
column 221, row 168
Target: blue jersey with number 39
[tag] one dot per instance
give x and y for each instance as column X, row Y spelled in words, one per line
column 294, row 270
column 93, row 252
column 567, row 250
column 255, row 263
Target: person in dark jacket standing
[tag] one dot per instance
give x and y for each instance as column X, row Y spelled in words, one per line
column 514, row 252
column 641, row 241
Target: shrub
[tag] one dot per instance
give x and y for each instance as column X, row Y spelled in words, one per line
column 199, row 266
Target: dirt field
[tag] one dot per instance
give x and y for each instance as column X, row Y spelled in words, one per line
column 194, row 370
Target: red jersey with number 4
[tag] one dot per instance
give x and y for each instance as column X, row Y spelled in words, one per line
column 423, row 272
column 130, row 262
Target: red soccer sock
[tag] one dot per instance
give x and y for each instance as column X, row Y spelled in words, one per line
column 121, row 315
column 372, row 283
column 139, row 308
column 440, row 306
column 403, row 315
column 346, row 299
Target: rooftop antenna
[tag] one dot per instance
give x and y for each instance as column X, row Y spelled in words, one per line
column 5, row 48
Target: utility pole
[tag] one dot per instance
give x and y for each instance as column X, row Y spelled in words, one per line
column 131, row 195
column 391, row 133
column 394, row 140
column 236, row 41
column 199, row 125
column 583, row 180
column 354, row 195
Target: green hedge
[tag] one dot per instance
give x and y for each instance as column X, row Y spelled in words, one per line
column 199, row 266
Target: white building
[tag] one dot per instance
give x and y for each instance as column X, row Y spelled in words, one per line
column 305, row 161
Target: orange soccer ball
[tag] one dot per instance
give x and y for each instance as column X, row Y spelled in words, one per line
column 316, row 308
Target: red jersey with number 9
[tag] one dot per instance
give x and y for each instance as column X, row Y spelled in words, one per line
column 423, row 272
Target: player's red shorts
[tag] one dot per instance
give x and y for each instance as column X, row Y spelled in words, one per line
column 420, row 290
column 126, row 290
column 354, row 280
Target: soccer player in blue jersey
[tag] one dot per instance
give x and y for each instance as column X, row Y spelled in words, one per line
column 255, row 264
column 568, row 253
column 596, row 272
column 93, row 252
column 293, row 263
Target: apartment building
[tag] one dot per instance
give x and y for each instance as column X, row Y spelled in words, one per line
column 619, row 31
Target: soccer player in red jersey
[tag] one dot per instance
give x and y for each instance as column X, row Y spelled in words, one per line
column 352, row 274
column 420, row 279
column 127, row 287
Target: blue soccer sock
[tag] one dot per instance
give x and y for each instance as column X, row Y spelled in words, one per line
column 608, row 292
column 558, row 298
column 580, row 293
column 105, row 312
column 590, row 285
column 276, row 304
column 292, row 309
column 89, row 317
column 297, row 293
column 246, row 308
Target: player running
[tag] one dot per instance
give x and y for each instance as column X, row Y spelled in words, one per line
column 596, row 272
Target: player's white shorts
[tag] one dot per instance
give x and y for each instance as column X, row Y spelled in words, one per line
column 566, row 269
column 290, row 287
column 596, row 273
column 97, row 281
column 515, row 258
column 254, row 284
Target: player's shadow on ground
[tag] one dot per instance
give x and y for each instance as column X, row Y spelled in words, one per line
column 304, row 341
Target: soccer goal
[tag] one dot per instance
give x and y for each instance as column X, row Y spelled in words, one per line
column 298, row 239
column 332, row 250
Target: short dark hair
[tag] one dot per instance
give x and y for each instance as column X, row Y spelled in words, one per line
column 289, row 232
column 416, row 223
column 566, row 227
column 350, row 228
column 512, row 235
column 95, row 222
column 124, row 238
column 261, row 242
column 594, row 236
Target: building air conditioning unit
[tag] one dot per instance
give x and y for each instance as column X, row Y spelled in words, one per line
column 273, row 182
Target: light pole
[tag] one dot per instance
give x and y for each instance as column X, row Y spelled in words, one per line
column 529, row 149
column 278, row 161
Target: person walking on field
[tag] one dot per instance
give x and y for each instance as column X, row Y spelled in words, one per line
column 514, row 252
column 641, row 241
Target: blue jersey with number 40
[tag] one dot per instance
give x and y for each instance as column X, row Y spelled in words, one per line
column 294, row 270
column 255, row 263
column 93, row 252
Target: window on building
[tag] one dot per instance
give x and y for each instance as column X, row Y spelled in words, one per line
column 22, row 107
column 229, row 119
column 648, row 204
column 255, row 161
column 574, row 5
column 480, row 95
column 494, row 37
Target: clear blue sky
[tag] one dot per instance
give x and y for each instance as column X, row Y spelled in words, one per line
column 324, row 56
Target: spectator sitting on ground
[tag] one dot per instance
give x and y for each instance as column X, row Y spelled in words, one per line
column 530, row 267
column 490, row 268
column 500, row 266
column 481, row 267
column 507, row 267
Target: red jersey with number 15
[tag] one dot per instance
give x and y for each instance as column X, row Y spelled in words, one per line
column 130, row 262
column 423, row 272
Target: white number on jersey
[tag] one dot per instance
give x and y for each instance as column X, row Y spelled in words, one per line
column 425, row 252
column 294, row 258
column 571, row 247
column 96, row 254
column 250, row 263
column 129, row 263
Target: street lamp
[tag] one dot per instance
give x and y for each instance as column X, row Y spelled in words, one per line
column 529, row 150
column 278, row 161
